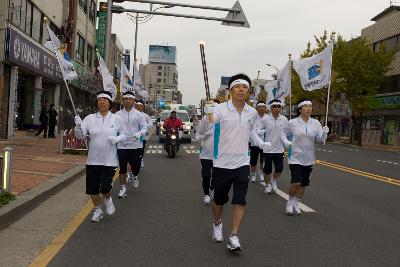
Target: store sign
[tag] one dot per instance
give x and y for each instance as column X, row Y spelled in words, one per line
column 101, row 32
column 24, row 53
column 385, row 102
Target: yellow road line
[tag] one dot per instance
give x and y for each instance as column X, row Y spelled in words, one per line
column 54, row 247
column 360, row 173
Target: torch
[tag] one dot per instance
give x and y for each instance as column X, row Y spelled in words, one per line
column 207, row 87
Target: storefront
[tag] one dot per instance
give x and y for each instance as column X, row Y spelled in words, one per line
column 32, row 77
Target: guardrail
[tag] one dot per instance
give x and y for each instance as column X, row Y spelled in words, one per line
column 5, row 164
column 69, row 142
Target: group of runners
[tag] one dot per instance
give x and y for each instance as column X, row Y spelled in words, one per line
column 224, row 133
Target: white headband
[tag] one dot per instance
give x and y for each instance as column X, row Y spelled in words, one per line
column 239, row 81
column 261, row 104
column 275, row 104
column 128, row 96
column 307, row 102
column 139, row 103
column 105, row 96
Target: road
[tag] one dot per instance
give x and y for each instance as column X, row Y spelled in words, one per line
column 354, row 220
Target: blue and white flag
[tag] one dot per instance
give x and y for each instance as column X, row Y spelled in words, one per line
column 108, row 80
column 284, row 78
column 138, row 85
column 126, row 79
column 272, row 91
column 67, row 69
column 315, row 71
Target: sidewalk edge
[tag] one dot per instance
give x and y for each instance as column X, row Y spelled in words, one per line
column 27, row 201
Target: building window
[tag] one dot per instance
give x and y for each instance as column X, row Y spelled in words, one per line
column 23, row 15
column 28, row 20
column 83, row 5
column 89, row 57
column 158, row 73
column 36, row 23
column 80, row 48
column 159, row 67
column 92, row 11
column 158, row 80
column 14, row 12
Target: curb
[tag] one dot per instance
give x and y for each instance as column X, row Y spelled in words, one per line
column 27, row 201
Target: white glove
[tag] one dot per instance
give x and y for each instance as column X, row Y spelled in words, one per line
column 287, row 144
column 114, row 139
column 261, row 132
column 200, row 137
column 325, row 129
column 137, row 135
column 265, row 145
column 78, row 120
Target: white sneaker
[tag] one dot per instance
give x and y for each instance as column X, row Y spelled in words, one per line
column 296, row 209
column 135, row 182
column 233, row 243
column 289, row 207
column 253, row 177
column 206, row 200
column 142, row 164
column 274, row 185
column 110, row 208
column 97, row 215
column 267, row 189
column 122, row 192
column 217, row 233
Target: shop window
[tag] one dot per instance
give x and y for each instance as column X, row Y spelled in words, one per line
column 92, row 11
column 89, row 56
column 83, row 5
column 28, row 20
column 36, row 23
column 80, row 48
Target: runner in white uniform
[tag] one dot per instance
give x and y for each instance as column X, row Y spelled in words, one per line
column 255, row 151
column 130, row 151
column 205, row 134
column 231, row 155
column 304, row 131
column 149, row 124
column 104, row 130
column 276, row 128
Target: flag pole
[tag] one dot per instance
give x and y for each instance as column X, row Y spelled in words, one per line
column 65, row 81
column 290, row 95
column 330, row 80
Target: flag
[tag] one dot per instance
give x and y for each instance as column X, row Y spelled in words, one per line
column 315, row 71
column 138, row 85
column 126, row 79
column 67, row 69
column 108, row 82
column 257, row 90
column 284, row 82
column 272, row 91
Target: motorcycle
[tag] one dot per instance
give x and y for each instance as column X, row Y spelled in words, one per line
column 172, row 142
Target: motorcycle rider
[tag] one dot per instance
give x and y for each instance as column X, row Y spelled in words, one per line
column 173, row 122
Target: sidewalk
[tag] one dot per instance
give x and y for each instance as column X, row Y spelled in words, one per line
column 36, row 160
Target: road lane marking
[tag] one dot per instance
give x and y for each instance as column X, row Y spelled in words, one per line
column 360, row 173
column 388, row 162
column 285, row 196
column 59, row 241
column 320, row 149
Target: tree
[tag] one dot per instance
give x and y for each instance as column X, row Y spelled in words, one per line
column 360, row 71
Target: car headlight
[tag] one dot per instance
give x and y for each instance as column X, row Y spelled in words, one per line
column 173, row 137
column 187, row 127
column 162, row 128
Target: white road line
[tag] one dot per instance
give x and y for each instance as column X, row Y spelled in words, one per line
column 285, row 196
column 387, row 162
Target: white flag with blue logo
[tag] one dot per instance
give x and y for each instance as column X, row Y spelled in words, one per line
column 138, row 85
column 67, row 69
column 272, row 91
column 257, row 90
column 315, row 71
column 108, row 81
column 284, row 78
column 126, row 84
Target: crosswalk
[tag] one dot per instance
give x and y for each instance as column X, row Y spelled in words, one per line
column 159, row 149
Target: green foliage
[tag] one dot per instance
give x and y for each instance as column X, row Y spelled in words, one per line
column 5, row 198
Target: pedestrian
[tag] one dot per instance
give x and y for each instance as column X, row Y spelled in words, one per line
column 149, row 124
column 255, row 151
column 44, row 119
column 276, row 127
column 304, row 132
column 104, row 130
column 52, row 120
column 130, row 151
column 205, row 134
column 231, row 155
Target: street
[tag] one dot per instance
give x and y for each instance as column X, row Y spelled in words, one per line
column 353, row 222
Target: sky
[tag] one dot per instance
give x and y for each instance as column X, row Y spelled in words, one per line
column 277, row 28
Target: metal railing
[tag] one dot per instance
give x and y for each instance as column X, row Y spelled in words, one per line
column 69, row 142
column 5, row 164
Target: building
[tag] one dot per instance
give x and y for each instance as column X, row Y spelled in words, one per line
column 160, row 75
column 29, row 72
column 383, row 120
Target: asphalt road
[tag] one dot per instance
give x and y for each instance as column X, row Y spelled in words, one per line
column 163, row 223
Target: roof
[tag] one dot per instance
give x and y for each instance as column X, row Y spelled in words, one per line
column 386, row 11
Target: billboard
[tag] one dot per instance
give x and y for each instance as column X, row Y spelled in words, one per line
column 162, row 54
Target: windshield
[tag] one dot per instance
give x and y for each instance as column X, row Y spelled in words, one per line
column 181, row 116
